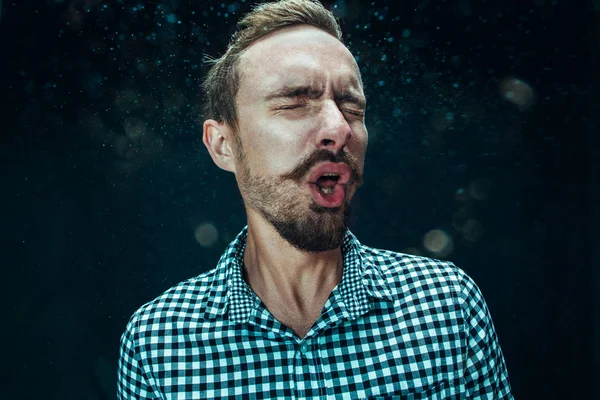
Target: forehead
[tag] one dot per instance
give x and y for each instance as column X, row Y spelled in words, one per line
column 298, row 55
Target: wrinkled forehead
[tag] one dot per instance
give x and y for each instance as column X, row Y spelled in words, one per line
column 298, row 55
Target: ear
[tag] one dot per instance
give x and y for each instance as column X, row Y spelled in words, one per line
column 218, row 139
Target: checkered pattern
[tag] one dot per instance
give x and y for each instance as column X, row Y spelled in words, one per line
column 396, row 326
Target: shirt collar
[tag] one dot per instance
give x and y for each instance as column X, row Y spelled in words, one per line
column 362, row 280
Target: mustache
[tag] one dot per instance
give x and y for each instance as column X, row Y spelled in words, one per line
column 304, row 167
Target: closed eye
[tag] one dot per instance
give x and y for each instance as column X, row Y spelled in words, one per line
column 291, row 106
column 355, row 112
column 358, row 113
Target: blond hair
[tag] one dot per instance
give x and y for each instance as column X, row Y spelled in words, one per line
column 222, row 81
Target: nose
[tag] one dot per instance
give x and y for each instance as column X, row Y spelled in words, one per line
column 335, row 131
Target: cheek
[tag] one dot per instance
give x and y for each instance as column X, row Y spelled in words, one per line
column 360, row 137
column 274, row 153
column 283, row 137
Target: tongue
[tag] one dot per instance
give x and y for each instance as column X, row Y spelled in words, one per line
column 326, row 182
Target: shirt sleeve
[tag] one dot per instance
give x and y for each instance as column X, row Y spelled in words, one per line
column 485, row 372
column 132, row 380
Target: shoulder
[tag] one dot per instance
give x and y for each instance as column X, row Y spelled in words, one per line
column 407, row 273
column 185, row 302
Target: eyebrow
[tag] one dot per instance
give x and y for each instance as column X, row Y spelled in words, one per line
column 290, row 92
column 349, row 97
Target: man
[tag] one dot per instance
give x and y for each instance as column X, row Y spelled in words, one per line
column 297, row 307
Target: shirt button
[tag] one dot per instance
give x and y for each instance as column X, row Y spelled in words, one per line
column 303, row 348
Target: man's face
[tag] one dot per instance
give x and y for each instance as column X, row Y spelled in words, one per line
column 300, row 103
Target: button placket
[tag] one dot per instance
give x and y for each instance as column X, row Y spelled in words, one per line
column 303, row 348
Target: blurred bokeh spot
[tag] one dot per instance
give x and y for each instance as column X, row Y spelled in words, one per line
column 206, row 234
column 517, row 92
column 438, row 242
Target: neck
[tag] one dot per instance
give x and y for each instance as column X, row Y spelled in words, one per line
column 281, row 274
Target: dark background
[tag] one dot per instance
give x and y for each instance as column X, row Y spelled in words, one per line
column 105, row 179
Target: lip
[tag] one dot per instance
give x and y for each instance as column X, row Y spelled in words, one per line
column 333, row 200
column 343, row 171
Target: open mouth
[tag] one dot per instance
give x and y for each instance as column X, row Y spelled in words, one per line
column 326, row 183
column 327, row 192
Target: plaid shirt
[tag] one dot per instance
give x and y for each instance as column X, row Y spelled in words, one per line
column 396, row 326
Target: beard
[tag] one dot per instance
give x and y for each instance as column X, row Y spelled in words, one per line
column 287, row 204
